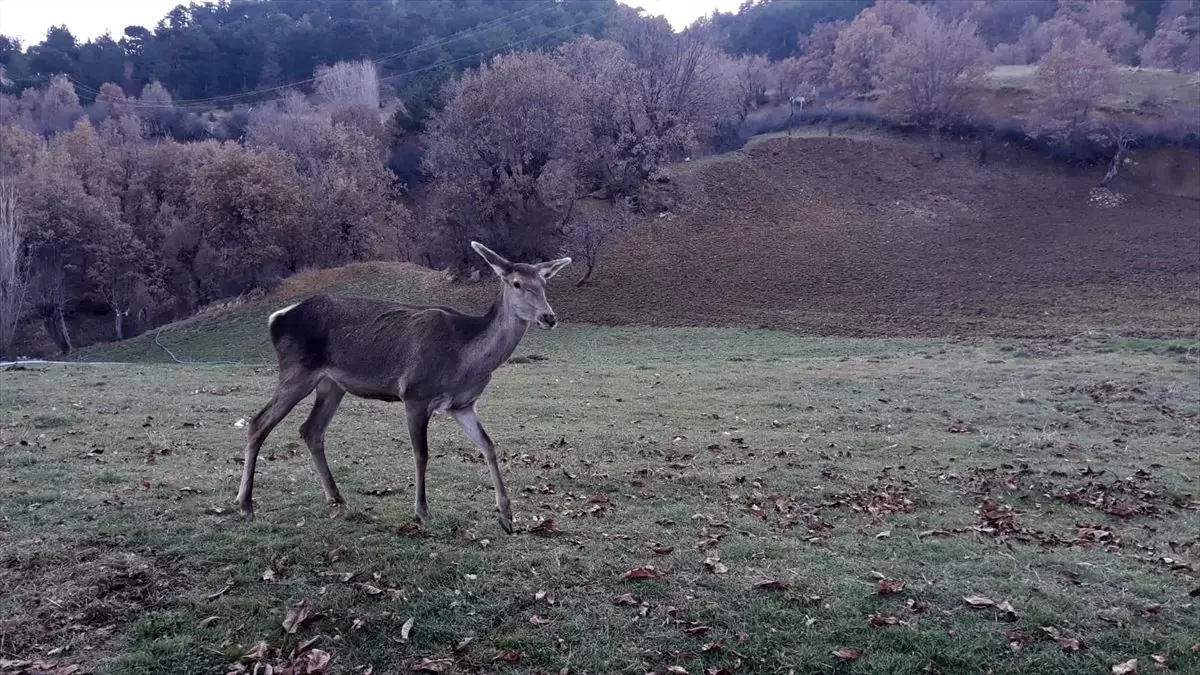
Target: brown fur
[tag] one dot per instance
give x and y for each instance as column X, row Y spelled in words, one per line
column 431, row 358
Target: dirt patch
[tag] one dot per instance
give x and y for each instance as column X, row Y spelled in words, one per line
column 80, row 592
column 837, row 236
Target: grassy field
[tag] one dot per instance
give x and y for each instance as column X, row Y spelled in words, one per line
column 1137, row 89
column 880, row 483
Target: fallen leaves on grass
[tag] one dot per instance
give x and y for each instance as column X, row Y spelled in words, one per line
column 410, row 530
column 539, row 621
column 1125, row 668
column 208, row 621
column 298, row 616
column 648, row 572
column 428, row 665
column 676, row 670
column 883, row 620
column 20, row 667
column 979, row 601
column 627, row 600
column 545, row 526
column 407, row 628
column 774, row 584
column 1017, row 639
column 659, row 548
column 337, row 554
column 695, row 628
column 714, row 565
column 848, row 654
column 887, row 586
column 508, row 657
column 266, row 658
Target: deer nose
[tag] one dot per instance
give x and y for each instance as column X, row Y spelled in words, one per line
column 548, row 320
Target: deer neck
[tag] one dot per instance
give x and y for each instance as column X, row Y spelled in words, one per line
column 500, row 336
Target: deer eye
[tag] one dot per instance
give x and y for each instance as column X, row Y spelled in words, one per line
column 517, row 285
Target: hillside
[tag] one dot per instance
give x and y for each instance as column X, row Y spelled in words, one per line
column 863, row 236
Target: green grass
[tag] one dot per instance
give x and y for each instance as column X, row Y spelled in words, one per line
column 1134, row 86
column 117, row 530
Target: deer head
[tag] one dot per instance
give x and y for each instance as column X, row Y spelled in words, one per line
column 524, row 285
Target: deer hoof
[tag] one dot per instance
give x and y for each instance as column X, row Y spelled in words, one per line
column 338, row 509
column 506, row 522
column 247, row 512
column 423, row 519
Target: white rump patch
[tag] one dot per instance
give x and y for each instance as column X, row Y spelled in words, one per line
column 276, row 315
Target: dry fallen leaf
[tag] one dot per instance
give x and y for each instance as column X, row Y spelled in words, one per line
column 314, row 662
column 1130, row 666
column 626, row 599
column 410, row 530
column 714, row 565
column 850, row 654
column 208, row 621
column 889, row 586
column 649, row 572
column 539, row 621
column 711, row 647
column 463, row 644
column 676, row 670
column 661, row 549
column 427, row 665
column 1069, row 644
column 882, row 620
column 774, row 584
column 696, row 628
column 1159, row 659
column 298, row 616
column 508, row 657
column 407, row 628
column 337, row 554
column 979, row 601
column 545, row 526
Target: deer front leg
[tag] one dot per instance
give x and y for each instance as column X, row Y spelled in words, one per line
column 418, row 430
column 469, row 421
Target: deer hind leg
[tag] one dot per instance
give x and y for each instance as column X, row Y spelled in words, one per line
column 469, row 421
column 292, row 388
column 329, row 397
column 418, row 430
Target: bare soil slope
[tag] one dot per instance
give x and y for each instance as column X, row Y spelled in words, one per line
column 870, row 236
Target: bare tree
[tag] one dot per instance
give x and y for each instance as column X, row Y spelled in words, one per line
column 816, row 52
column 14, row 271
column 927, row 76
column 348, row 84
column 1119, row 135
column 591, row 230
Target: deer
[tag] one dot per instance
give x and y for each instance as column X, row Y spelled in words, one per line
column 433, row 359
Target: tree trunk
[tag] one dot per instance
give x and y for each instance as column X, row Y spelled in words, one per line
column 935, row 141
column 591, row 267
column 119, row 323
column 56, row 326
column 1113, row 167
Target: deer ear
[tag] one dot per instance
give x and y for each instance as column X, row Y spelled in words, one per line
column 549, row 269
column 499, row 265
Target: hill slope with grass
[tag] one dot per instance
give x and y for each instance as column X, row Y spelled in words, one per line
column 849, row 236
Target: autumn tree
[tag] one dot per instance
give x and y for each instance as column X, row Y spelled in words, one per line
column 1069, row 83
column 1176, row 41
column 1104, row 23
column 505, row 153
column 860, row 50
column 816, row 52
column 926, row 77
column 247, row 207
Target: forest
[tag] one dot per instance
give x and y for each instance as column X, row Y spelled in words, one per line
column 146, row 176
